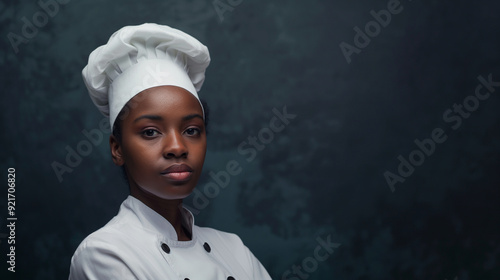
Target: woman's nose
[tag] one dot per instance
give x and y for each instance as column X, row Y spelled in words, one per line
column 174, row 146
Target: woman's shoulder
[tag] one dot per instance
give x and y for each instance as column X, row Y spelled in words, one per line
column 108, row 233
column 119, row 232
column 109, row 249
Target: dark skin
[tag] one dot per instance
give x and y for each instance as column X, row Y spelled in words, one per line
column 164, row 129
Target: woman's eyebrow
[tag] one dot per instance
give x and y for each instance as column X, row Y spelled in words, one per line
column 192, row 116
column 151, row 117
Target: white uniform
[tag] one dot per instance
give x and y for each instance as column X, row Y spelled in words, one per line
column 139, row 243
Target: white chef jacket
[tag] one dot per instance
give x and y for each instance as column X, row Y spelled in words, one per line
column 139, row 243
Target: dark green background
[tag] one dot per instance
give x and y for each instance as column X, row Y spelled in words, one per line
column 321, row 176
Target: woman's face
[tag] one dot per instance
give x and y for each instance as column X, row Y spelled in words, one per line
column 163, row 142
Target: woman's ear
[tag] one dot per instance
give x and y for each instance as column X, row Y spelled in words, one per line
column 116, row 150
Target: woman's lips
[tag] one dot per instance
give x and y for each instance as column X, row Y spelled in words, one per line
column 178, row 173
column 178, row 176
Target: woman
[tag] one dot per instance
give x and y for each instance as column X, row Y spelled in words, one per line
column 146, row 79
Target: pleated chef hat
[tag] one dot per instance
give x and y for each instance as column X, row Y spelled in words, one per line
column 140, row 57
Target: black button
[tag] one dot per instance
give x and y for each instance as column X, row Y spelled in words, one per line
column 186, row 278
column 230, row 278
column 207, row 247
column 165, row 248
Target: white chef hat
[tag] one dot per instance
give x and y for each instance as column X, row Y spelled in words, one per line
column 140, row 57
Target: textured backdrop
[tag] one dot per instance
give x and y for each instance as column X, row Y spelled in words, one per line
column 368, row 128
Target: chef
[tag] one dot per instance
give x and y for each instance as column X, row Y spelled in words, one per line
column 146, row 80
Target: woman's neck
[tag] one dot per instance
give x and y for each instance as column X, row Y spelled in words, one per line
column 168, row 209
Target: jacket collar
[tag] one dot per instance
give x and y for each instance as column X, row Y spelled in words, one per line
column 153, row 221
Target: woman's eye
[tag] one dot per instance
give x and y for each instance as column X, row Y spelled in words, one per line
column 192, row 131
column 150, row 132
